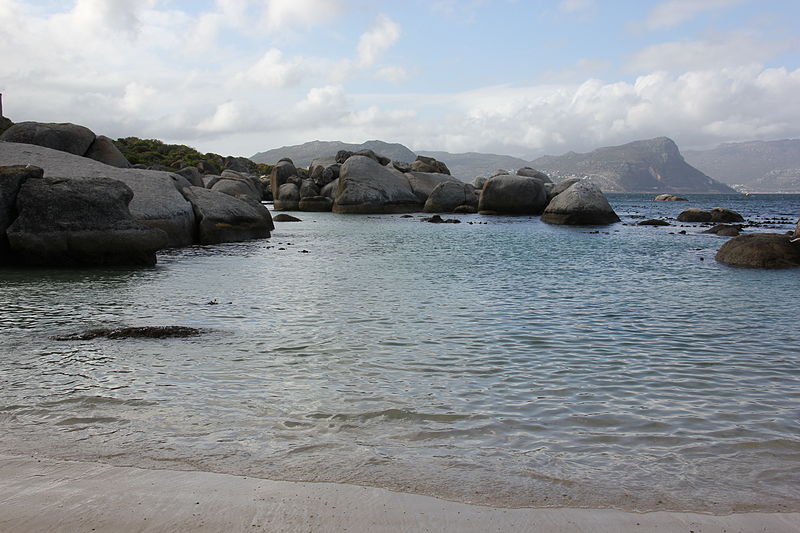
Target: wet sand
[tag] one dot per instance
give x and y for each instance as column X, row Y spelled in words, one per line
column 51, row 495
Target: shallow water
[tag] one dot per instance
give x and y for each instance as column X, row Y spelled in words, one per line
column 503, row 362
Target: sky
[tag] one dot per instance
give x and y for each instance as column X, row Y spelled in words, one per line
column 515, row 77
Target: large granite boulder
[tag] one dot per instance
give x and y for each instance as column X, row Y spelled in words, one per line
column 315, row 203
column 192, row 175
column 429, row 165
column 11, row 179
column 529, row 172
column 86, row 221
column 156, row 202
column 554, row 189
column 722, row 215
column 448, row 195
column 512, row 195
column 366, row 186
column 694, row 214
column 760, row 250
column 280, row 174
column 308, row 189
column 330, row 190
column 288, row 198
column 104, row 150
column 239, row 164
column 582, row 204
column 66, row 137
column 236, row 185
column 479, row 182
column 423, row 183
column 225, row 218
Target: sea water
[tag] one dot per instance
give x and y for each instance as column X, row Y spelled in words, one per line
column 498, row 361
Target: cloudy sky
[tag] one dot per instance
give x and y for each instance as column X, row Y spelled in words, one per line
column 518, row 77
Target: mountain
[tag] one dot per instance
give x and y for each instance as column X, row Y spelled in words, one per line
column 759, row 166
column 654, row 166
column 302, row 154
column 467, row 166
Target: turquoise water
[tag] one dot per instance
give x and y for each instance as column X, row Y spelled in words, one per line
column 502, row 362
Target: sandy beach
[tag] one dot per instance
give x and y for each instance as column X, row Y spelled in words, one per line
column 39, row 494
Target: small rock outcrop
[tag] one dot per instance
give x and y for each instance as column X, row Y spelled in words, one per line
column 366, row 186
column 429, row 165
column 225, row 218
column 505, row 194
column 722, row 215
column 669, row 198
column 448, row 196
column 694, row 214
column 582, row 204
column 653, row 222
column 139, row 332
column 68, row 221
column 725, row 230
column 760, row 250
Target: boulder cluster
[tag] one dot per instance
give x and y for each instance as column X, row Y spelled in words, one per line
column 59, row 208
column 366, row 182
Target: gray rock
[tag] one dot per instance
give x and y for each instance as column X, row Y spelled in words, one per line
column 11, row 179
column 365, row 186
column 423, row 183
column 669, row 198
column 653, row 222
column 342, row 156
column 447, row 196
column 720, row 214
column 208, row 167
column 796, row 234
column 512, row 195
column 465, row 209
column 69, row 138
column 554, row 189
column 366, row 152
column 138, row 332
column 280, row 174
column 69, row 221
column 582, row 204
column 329, row 174
column 694, row 214
column 319, row 164
column 156, row 200
column 724, row 230
column 308, row 189
column 283, row 217
column 192, row 175
column 238, row 187
column 429, row 165
column 760, row 250
column 316, row 203
column 225, row 218
column 104, row 150
column 479, row 182
column 331, row 189
column 529, row 172
column 240, row 164
column 288, row 198
column 401, row 166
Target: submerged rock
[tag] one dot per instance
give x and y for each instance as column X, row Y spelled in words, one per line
column 760, row 250
column 437, row 219
column 724, row 230
column 582, row 204
column 141, row 332
column 283, row 217
column 653, row 222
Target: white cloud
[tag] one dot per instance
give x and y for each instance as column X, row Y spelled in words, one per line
column 394, row 74
column 673, row 12
column 279, row 14
column 272, row 71
column 374, row 43
column 722, row 51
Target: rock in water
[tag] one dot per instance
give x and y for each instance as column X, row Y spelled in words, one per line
column 140, row 332
column 156, row 199
column 66, row 137
column 694, row 214
column 365, row 186
column 283, row 217
column 66, row 221
column 760, row 250
column 505, row 194
column 447, row 196
column 11, row 180
column 288, row 198
column 669, row 198
column 225, row 218
column 720, row 214
column 582, row 204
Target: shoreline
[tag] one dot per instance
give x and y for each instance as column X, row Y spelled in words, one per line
column 38, row 494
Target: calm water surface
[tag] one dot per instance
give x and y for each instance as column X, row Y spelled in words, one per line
column 503, row 362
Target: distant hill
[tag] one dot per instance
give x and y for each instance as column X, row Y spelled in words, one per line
column 654, row 165
column 757, row 166
column 302, row 154
column 467, row 166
